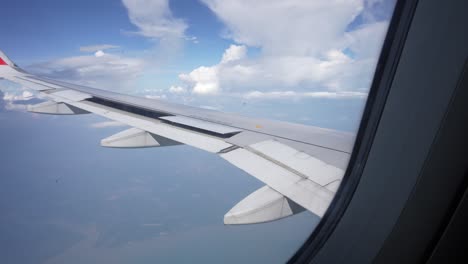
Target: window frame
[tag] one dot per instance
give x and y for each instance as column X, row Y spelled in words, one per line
column 387, row 64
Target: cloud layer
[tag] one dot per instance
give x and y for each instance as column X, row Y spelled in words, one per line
column 103, row 70
column 14, row 97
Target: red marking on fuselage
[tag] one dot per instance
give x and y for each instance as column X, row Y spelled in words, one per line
column 2, row 62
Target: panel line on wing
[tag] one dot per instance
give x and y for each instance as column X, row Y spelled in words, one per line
column 284, row 166
column 228, row 149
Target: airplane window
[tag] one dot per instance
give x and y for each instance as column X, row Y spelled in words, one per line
column 219, row 130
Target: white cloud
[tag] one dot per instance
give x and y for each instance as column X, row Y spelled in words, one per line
column 203, row 80
column 293, row 27
column 94, row 48
column 101, row 70
column 11, row 106
column 366, row 41
column 304, row 49
column 157, row 97
column 15, row 98
column 305, row 46
column 154, row 19
column 298, row 95
column 234, row 53
column 99, row 53
column 343, row 94
column 12, row 97
column 273, row 72
column 106, row 70
column 177, row 89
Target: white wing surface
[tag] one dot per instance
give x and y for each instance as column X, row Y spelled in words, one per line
column 301, row 166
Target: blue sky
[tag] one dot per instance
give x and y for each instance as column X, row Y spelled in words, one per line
column 210, row 53
column 309, row 62
column 50, row 29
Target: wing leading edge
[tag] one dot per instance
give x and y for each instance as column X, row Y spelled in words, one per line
column 302, row 166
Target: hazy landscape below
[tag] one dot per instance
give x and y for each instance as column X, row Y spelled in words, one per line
column 65, row 199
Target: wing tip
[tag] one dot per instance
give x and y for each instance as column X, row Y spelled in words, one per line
column 6, row 61
column 2, row 62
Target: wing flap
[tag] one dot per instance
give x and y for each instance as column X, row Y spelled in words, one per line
column 308, row 194
column 303, row 163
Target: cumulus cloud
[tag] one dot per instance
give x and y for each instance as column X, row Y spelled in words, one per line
column 11, row 106
column 321, row 49
column 294, row 27
column 24, row 96
column 366, row 40
column 154, row 19
column 205, row 80
column 99, row 53
column 234, row 74
column 177, row 89
column 234, row 53
column 94, row 48
column 325, row 48
column 15, row 97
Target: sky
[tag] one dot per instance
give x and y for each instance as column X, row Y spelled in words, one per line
column 308, row 62
column 231, row 56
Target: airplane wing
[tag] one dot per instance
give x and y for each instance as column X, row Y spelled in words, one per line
column 301, row 166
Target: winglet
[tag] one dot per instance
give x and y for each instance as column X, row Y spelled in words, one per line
column 4, row 60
